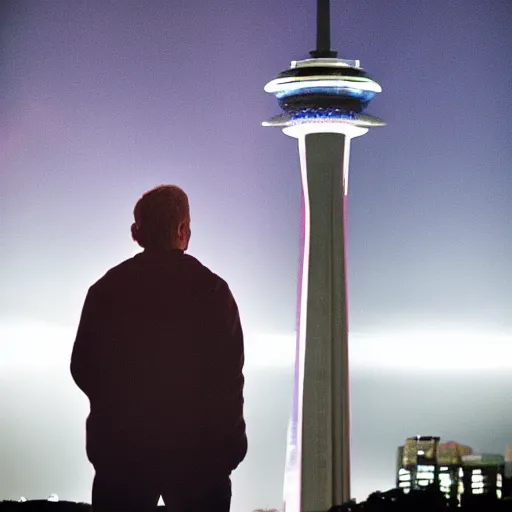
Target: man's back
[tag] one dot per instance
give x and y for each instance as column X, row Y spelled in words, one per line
column 159, row 353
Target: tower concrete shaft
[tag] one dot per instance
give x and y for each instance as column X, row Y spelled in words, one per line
column 325, row 459
column 318, row 467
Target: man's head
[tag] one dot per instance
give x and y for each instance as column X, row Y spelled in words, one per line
column 162, row 219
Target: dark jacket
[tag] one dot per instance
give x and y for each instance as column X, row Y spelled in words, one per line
column 159, row 353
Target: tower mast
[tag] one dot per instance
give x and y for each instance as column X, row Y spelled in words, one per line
column 323, row 31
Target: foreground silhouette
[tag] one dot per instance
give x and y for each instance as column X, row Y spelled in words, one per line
column 393, row 500
column 159, row 354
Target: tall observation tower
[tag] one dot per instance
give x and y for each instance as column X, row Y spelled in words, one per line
column 323, row 101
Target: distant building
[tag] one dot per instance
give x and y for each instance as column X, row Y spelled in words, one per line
column 483, row 474
column 417, row 463
column 507, row 482
column 460, row 474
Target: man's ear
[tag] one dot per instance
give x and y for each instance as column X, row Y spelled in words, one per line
column 182, row 230
column 134, row 231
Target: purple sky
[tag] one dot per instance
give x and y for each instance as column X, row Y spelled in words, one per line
column 100, row 100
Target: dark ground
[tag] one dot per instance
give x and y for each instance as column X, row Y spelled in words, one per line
column 391, row 501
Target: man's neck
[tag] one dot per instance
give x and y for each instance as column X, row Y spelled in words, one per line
column 164, row 250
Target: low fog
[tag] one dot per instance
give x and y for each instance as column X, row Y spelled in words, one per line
column 42, row 429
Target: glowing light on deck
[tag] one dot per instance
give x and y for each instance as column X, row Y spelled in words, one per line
column 331, row 90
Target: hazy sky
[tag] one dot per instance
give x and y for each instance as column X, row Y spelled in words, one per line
column 101, row 100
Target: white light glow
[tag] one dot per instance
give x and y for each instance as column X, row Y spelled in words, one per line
column 302, row 129
column 414, row 348
column 430, row 349
column 321, row 81
column 291, row 488
column 346, row 161
column 267, row 350
column 29, row 344
column 40, row 345
column 326, row 63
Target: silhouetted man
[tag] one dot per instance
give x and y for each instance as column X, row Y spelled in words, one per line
column 159, row 353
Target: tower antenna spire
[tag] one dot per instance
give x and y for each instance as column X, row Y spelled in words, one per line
column 323, row 32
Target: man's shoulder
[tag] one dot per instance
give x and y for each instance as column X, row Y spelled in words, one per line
column 112, row 273
column 203, row 273
column 191, row 268
column 209, row 287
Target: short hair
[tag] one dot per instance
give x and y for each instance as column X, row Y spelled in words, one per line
column 157, row 214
